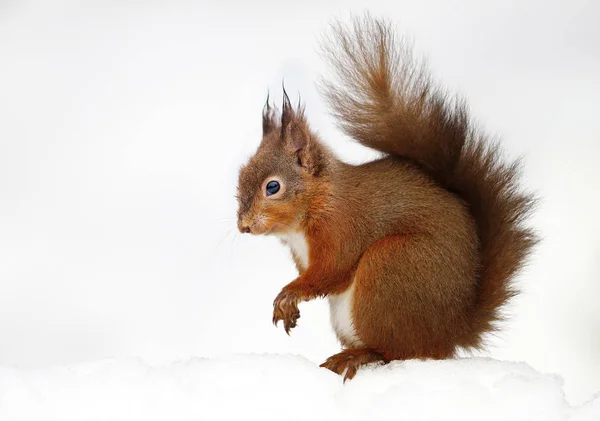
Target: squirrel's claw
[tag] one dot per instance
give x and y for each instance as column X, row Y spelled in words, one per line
column 291, row 323
column 285, row 307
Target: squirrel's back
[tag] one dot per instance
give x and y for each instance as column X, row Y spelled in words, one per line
column 391, row 195
column 384, row 98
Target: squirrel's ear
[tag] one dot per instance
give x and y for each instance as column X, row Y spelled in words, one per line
column 296, row 135
column 293, row 126
column 268, row 118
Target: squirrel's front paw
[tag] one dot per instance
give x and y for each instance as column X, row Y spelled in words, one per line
column 285, row 307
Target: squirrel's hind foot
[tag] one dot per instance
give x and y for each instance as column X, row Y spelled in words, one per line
column 349, row 360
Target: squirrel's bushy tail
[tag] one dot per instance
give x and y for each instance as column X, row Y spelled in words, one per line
column 384, row 98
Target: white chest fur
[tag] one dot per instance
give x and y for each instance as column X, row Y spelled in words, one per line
column 296, row 241
column 340, row 309
column 340, row 305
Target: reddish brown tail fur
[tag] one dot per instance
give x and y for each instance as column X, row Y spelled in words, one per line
column 385, row 99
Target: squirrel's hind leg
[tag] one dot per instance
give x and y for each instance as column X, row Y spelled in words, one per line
column 412, row 296
column 349, row 360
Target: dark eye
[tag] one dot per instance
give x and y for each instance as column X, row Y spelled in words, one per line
column 272, row 187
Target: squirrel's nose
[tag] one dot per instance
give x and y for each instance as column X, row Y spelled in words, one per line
column 243, row 226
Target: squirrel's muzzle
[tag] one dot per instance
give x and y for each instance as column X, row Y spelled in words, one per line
column 244, row 226
column 252, row 224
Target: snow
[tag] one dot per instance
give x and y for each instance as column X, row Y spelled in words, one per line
column 285, row 387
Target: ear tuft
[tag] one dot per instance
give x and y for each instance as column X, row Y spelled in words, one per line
column 268, row 117
column 287, row 113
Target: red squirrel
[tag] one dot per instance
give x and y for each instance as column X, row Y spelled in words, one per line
column 416, row 250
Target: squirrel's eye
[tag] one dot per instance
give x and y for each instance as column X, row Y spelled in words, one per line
column 272, row 187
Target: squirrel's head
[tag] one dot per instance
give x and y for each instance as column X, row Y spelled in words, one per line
column 281, row 181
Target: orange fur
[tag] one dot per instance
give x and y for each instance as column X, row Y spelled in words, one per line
column 416, row 250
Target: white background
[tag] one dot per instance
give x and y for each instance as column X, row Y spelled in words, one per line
column 123, row 124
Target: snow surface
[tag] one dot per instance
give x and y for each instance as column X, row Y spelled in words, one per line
column 286, row 387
